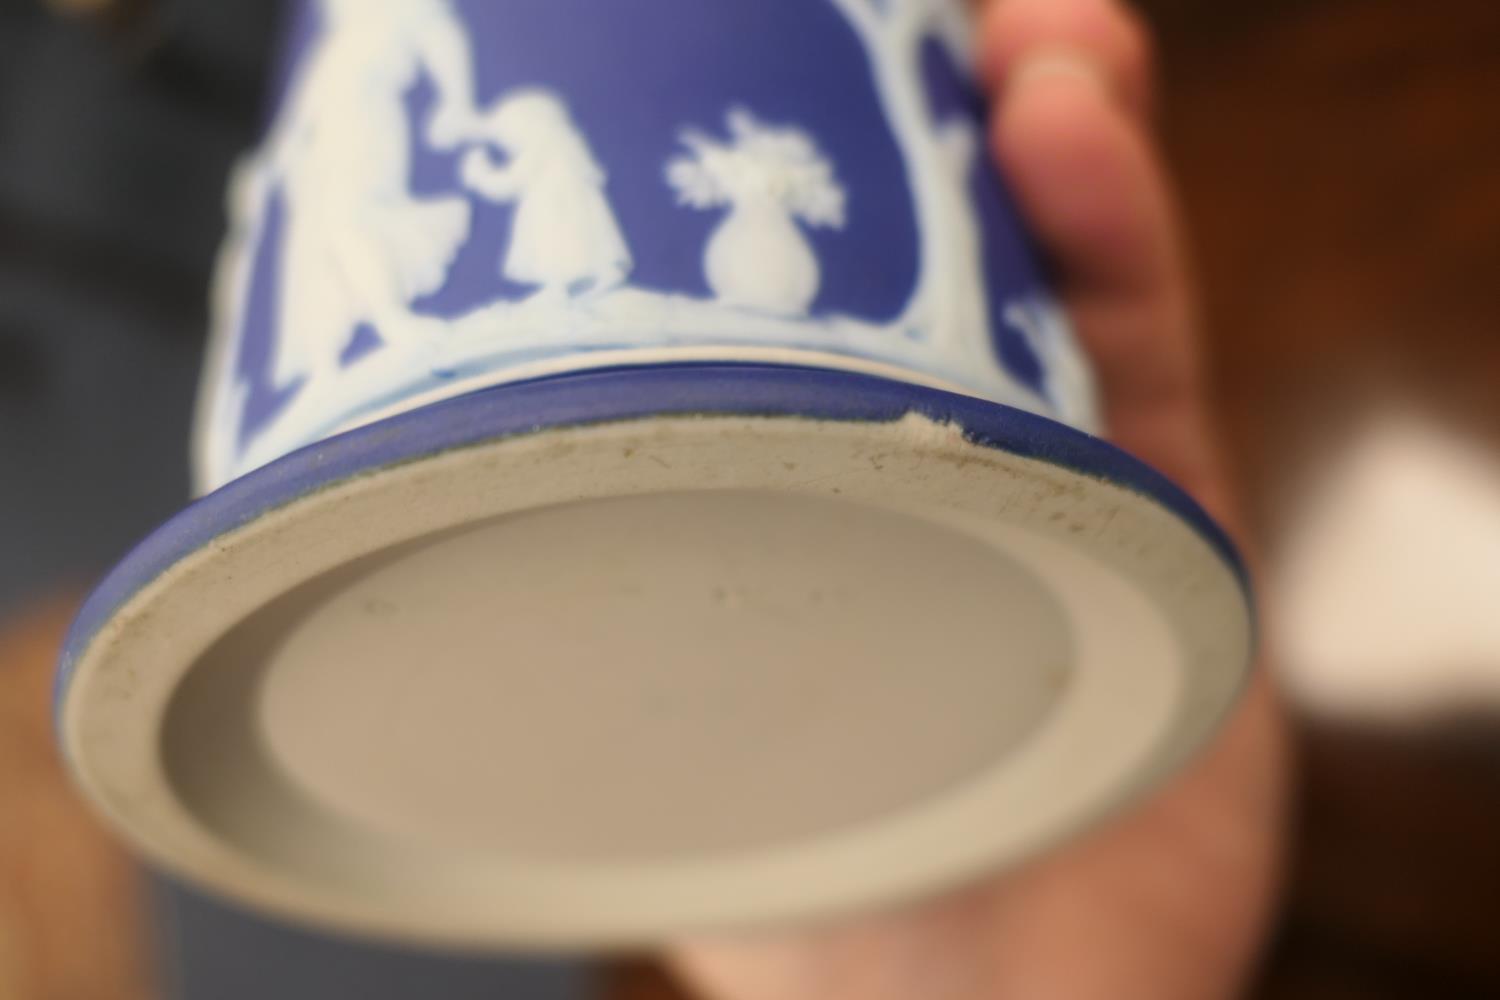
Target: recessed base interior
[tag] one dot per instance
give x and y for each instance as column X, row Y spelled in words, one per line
column 638, row 677
column 615, row 683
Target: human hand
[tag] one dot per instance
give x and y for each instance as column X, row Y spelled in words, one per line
column 1169, row 902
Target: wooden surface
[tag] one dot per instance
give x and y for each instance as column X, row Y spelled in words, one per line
column 1340, row 160
column 71, row 927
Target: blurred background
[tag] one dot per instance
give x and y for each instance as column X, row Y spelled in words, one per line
column 1340, row 164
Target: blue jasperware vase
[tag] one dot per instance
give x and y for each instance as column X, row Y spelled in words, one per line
column 647, row 487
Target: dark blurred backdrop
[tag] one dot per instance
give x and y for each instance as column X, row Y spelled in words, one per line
column 113, row 148
column 1340, row 161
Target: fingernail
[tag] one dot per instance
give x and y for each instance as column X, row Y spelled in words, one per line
column 1059, row 64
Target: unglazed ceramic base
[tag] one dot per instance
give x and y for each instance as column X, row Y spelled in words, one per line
column 642, row 677
column 604, row 684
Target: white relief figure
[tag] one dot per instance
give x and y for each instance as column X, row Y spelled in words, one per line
column 564, row 237
column 1069, row 384
column 358, row 246
column 963, row 304
column 770, row 179
column 893, row 33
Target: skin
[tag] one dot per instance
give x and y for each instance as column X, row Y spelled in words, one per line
column 1171, row 901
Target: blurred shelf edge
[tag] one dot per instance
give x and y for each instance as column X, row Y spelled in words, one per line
column 63, row 879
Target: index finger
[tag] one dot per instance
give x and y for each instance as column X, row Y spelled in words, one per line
column 1092, row 187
